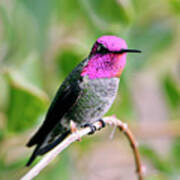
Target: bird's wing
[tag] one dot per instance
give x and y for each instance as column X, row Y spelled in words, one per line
column 63, row 101
column 65, row 98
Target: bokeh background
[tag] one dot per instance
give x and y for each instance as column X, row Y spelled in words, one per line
column 41, row 41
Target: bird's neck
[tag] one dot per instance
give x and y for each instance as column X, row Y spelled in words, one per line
column 104, row 66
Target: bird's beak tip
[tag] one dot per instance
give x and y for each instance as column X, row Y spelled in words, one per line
column 132, row 51
column 127, row 51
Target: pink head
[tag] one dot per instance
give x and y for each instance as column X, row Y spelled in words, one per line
column 107, row 58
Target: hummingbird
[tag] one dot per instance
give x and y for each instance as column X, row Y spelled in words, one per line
column 85, row 95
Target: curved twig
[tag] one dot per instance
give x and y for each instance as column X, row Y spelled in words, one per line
column 112, row 120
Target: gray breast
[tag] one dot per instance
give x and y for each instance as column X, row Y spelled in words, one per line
column 96, row 98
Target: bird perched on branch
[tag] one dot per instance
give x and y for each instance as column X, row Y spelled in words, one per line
column 85, row 95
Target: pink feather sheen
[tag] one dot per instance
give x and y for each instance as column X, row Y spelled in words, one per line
column 113, row 43
column 106, row 65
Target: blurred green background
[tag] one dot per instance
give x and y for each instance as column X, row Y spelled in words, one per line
column 41, row 41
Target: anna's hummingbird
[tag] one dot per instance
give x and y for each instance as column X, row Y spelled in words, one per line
column 85, row 95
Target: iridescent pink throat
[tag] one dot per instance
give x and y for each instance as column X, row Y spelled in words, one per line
column 105, row 66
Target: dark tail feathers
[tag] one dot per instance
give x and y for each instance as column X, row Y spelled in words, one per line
column 38, row 138
column 40, row 151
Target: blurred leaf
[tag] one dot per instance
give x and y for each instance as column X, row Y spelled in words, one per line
column 159, row 163
column 32, row 70
column 7, row 27
column 2, row 125
column 10, row 170
column 175, row 4
column 61, row 169
column 151, row 38
column 3, row 94
column 173, row 95
column 67, row 61
column 20, row 33
column 42, row 17
column 64, row 8
column 158, row 176
column 26, row 103
column 25, row 28
column 86, row 144
column 1, row 134
column 176, row 153
column 111, row 12
column 95, row 19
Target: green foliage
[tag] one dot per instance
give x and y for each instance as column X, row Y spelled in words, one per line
column 155, row 37
column 41, row 41
column 173, row 95
column 59, row 169
column 158, row 162
column 168, row 167
column 175, row 4
column 176, row 154
column 26, row 104
column 66, row 61
column 112, row 11
column 172, row 91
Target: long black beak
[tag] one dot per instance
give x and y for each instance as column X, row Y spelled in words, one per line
column 127, row 51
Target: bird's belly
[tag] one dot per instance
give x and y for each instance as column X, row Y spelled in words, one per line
column 96, row 99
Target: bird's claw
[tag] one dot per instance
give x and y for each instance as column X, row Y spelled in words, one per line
column 91, row 126
column 103, row 124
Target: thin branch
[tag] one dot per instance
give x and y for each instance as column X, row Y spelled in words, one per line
column 112, row 120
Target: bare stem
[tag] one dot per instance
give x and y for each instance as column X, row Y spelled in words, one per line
column 112, row 120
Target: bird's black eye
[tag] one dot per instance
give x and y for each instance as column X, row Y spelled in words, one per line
column 101, row 49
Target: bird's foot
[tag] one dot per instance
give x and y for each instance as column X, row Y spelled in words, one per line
column 91, row 126
column 74, row 129
column 103, row 124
